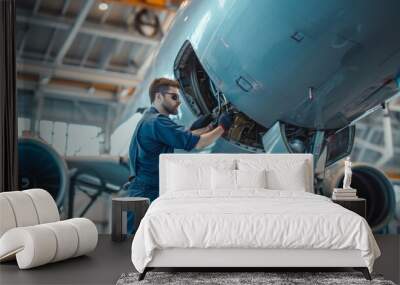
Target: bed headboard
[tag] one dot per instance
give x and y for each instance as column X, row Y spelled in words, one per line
column 212, row 159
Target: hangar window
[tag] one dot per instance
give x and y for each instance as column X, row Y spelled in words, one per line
column 24, row 125
column 71, row 139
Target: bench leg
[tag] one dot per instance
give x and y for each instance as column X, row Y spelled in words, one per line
column 364, row 271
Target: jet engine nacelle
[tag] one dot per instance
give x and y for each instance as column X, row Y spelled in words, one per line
column 371, row 184
column 40, row 166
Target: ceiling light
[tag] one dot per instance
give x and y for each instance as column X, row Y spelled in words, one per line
column 103, row 6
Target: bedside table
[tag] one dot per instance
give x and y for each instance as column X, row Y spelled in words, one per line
column 358, row 205
column 137, row 205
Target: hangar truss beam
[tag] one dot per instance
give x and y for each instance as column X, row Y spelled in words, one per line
column 101, row 30
column 78, row 73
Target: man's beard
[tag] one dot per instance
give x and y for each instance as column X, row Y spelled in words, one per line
column 170, row 110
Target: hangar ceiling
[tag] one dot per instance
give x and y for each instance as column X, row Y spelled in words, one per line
column 79, row 61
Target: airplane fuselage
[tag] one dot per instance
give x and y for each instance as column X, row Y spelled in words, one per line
column 315, row 65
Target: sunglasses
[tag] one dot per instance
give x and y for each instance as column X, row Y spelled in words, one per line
column 174, row 96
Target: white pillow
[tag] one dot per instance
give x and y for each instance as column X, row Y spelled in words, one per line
column 186, row 175
column 227, row 179
column 223, row 179
column 282, row 174
column 251, row 178
column 182, row 177
column 292, row 179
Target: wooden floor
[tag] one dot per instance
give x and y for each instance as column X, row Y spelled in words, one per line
column 111, row 259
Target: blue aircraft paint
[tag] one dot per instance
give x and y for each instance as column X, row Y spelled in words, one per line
column 342, row 55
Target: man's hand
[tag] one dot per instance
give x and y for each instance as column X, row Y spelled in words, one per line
column 225, row 121
column 203, row 130
column 202, row 122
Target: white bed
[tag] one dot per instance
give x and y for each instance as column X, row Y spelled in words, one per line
column 247, row 210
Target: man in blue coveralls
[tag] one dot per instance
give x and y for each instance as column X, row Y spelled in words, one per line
column 156, row 133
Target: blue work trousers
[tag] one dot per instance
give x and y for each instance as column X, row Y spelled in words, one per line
column 139, row 189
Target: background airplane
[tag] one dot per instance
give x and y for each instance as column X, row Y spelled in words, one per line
column 296, row 77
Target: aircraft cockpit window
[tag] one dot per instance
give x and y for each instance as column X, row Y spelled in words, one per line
column 339, row 144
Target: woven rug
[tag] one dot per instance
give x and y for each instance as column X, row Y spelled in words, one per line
column 226, row 278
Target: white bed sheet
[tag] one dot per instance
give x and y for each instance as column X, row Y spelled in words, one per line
column 252, row 218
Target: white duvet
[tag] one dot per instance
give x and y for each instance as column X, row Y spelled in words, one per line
column 250, row 219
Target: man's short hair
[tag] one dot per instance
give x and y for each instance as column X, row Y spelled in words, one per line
column 161, row 85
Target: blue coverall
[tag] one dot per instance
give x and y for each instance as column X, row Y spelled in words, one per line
column 155, row 134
